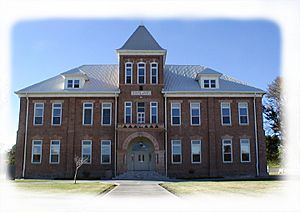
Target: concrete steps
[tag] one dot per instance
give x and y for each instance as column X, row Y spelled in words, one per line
column 141, row 175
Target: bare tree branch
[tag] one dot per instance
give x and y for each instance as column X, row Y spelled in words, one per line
column 79, row 161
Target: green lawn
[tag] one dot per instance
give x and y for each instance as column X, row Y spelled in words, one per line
column 54, row 186
column 252, row 188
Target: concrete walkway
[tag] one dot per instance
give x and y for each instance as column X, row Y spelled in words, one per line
column 142, row 189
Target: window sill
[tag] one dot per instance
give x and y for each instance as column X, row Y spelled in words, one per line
column 243, row 124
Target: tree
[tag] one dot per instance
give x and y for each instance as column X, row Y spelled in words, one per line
column 11, row 155
column 273, row 144
column 272, row 108
column 79, row 161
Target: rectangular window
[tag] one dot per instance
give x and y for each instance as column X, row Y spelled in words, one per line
column 38, row 113
column 225, row 113
column 175, row 114
column 86, row 151
column 195, row 113
column 128, row 113
column 212, row 83
column 36, row 152
column 106, row 152
column 209, row 83
column 73, row 83
column 227, row 151
column 76, row 83
column 70, row 84
column 128, row 73
column 106, row 113
column 56, row 113
column 154, row 73
column 243, row 113
column 54, row 151
column 154, row 112
column 141, row 73
column 87, row 113
column 245, row 150
column 206, row 83
column 176, row 151
column 196, row 151
column 141, row 112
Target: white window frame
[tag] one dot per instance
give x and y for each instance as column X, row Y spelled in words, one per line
column 229, row 107
column 240, row 106
column 231, row 150
column 91, row 150
column 192, row 160
column 156, row 106
column 92, row 113
column 102, row 141
column 191, row 109
column 41, row 153
column 179, row 107
column 156, row 72
column 172, row 142
column 210, row 78
column 60, row 115
column 131, row 67
column 142, row 113
column 34, row 116
column 249, row 150
column 53, row 154
column 73, row 83
column 125, row 107
column 145, row 73
column 110, row 113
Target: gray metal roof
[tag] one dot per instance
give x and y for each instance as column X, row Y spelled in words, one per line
column 183, row 78
column 105, row 78
column 141, row 39
column 75, row 71
column 101, row 78
column 208, row 71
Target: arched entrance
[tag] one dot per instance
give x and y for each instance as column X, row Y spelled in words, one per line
column 140, row 151
column 140, row 155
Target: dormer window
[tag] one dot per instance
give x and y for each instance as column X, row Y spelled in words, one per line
column 208, row 79
column 209, row 83
column 73, row 83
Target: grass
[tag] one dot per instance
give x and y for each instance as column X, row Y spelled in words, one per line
column 60, row 186
column 251, row 188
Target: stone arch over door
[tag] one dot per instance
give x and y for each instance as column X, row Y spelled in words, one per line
column 140, row 134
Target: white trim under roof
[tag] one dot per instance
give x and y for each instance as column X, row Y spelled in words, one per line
column 209, row 94
column 73, row 94
column 141, row 52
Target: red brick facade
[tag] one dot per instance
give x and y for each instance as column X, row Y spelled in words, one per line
column 72, row 132
column 157, row 137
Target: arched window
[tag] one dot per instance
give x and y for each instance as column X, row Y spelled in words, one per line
column 141, row 73
column 128, row 73
column 154, row 73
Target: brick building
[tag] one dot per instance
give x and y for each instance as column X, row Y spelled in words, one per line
column 177, row 120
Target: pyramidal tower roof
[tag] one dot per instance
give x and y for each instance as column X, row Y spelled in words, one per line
column 141, row 39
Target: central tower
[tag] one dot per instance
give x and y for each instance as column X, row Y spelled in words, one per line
column 141, row 105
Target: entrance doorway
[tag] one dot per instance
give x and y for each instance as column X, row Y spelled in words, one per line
column 140, row 155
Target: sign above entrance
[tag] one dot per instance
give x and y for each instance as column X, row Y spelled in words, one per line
column 140, row 93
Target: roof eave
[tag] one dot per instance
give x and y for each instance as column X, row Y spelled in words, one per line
column 70, row 94
column 131, row 51
column 216, row 93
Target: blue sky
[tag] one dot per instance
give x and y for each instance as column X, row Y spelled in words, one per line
column 248, row 50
